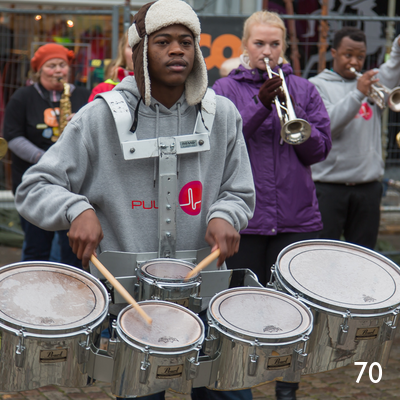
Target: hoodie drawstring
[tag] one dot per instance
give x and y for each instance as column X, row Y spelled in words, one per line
column 157, row 106
column 179, row 133
column 135, row 120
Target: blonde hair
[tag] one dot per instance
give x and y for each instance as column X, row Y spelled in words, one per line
column 264, row 18
column 112, row 69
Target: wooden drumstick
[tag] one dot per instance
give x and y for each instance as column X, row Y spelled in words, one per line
column 203, row 263
column 120, row 289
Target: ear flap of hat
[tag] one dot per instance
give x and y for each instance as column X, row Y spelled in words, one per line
column 197, row 81
column 146, row 75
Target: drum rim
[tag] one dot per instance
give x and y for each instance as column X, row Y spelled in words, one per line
column 144, row 275
column 250, row 339
column 323, row 305
column 52, row 332
column 130, row 341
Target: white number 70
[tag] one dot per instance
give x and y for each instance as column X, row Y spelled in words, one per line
column 364, row 365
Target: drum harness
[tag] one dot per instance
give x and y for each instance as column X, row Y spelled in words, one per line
column 167, row 150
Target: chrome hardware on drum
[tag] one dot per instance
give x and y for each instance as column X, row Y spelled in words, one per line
column 258, row 335
column 163, row 279
column 354, row 294
column 50, row 315
column 152, row 358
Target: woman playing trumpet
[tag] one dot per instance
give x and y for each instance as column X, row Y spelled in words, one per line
column 286, row 202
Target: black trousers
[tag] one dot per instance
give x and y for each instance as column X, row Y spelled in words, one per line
column 351, row 211
column 258, row 252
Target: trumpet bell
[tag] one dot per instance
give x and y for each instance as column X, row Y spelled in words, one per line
column 296, row 131
column 394, row 99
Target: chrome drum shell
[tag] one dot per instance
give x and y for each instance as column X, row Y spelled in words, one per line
column 256, row 335
column 164, row 355
column 164, row 279
column 354, row 294
column 50, row 315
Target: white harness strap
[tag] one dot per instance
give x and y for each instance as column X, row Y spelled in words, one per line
column 121, row 114
column 123, row 118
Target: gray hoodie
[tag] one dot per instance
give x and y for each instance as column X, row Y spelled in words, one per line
column 85, row 169
column 356, row 154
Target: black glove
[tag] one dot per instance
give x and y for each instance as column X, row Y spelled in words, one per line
column 270, row 89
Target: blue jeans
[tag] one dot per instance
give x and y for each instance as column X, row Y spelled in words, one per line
column 38, row 245
column 203, row 393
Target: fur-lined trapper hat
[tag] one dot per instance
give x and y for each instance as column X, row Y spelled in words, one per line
column 153, row 17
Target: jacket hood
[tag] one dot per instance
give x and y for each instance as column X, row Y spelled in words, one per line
column 130, row 90
column 330, row 76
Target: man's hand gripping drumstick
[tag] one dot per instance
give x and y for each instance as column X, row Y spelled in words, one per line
column 85, row 235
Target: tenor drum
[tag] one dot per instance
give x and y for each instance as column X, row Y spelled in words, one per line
column 50, row 314
column 354, row 294
column 152, row 358
column 256, row 335
column 163, row 279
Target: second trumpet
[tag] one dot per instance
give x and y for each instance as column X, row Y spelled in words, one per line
column 293, row 130
column 378, row 91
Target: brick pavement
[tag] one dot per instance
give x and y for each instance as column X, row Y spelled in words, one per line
column 331, row 385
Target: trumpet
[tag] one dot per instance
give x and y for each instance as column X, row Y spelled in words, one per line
column 293, row 130
column 3, row 147
column 377, row 94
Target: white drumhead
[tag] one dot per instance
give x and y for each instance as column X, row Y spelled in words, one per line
column 167, row 269
column 42, row 296
column 340, row 275
column 260, row 313
column 173, row 326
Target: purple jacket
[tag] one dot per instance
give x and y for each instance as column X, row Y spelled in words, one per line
column 286, row 199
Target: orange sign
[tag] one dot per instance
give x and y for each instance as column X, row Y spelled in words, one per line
column 217, row 47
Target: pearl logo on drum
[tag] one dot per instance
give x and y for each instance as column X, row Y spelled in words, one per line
column 279, row 362
column 170, row 371
column 367, row 333
column 53, row 356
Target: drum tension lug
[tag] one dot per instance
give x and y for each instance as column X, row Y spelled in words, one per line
column 253, row 360
column 192, row 365
column 389, row 328
column 271, row 283
column 344, row 331
column 301, row 356
column 211, row 341
column 84, row 348
column 20, row 350
column 144, row 366
column 112, row 342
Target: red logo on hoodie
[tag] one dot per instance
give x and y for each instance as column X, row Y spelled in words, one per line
column 365, row 112
column 190, row 198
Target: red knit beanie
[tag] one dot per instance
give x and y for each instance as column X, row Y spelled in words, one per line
column 49, row 51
